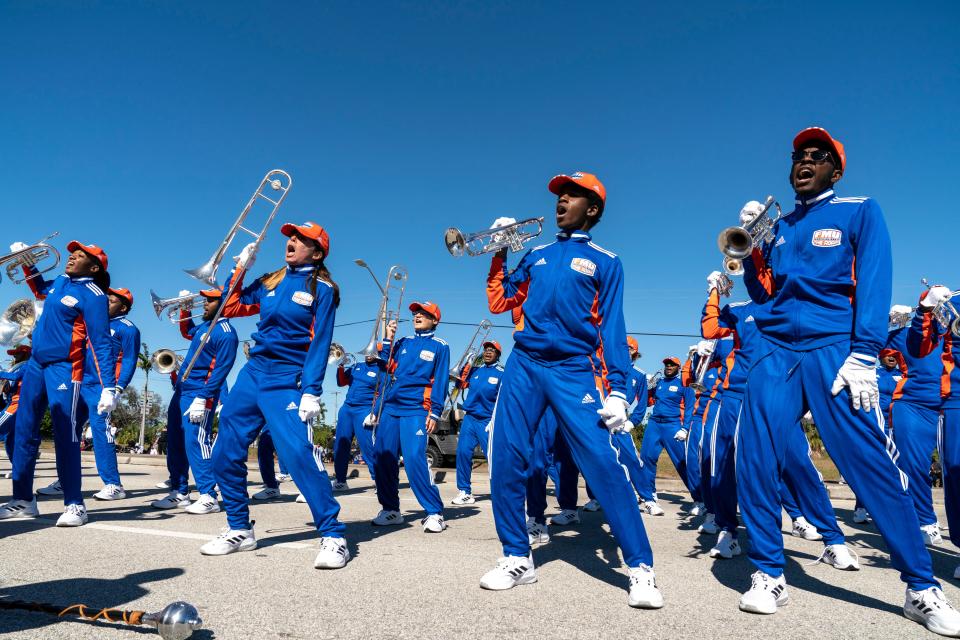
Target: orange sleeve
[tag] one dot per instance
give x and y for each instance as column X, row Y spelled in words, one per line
column 710, row 327
column 233, row 307
column 686, row 375
column 497, row 299
column 764, row 273
column 185, row 324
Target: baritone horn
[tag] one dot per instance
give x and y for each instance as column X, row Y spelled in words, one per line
column 30, row 257
column 17, row 322
column 512, row 236
column 737, row 242
column 165, row 361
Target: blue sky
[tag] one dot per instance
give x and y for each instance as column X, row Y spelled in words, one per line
column 145, row 126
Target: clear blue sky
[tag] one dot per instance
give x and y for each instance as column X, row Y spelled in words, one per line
column 144, row 127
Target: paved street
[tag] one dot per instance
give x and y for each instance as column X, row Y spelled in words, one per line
column 403, row 583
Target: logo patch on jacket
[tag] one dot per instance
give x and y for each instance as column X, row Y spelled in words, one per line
column 427, row 355
column 540, row 262
column 303, row 298
column 584, row 266
column 827, row 238
column 291, row 406
column 673, row 387
column 493, row 380
column 371, row 374
column 781, row 240
column 587, row 399
column 70, row 301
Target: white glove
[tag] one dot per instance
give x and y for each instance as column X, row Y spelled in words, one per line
column 713, row 281
column 503, row 222
column 900, row 309
column 309, row 407
column 750, row 212
column 247, row 257
column 680, row 435
column 936, row 296
column 628, row 426
column 183, row 292
column 370, row 421
column 613, row 413
column 108, row 402
column 196, row 410
column 705, row 348
column 859, row 373
column 18, row 246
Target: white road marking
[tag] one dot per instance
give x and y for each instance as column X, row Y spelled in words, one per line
column 163, row 533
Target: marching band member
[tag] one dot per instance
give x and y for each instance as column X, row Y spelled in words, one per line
column 666, row 429
column 411, row 406
column 361, row 380
column 10, row 396
column 700, row 427
column 555, row 364
column 915, row 420
column 822, row 287
column 925, row 336
column 279, row 389
column 190, row 442
column 75, row 310
column 483, row 385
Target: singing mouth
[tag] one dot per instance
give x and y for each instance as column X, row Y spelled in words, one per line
column 805, row 173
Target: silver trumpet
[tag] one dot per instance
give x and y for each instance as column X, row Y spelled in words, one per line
column 737, row 242
column 732, row 266
column 512, row 236
column 278, row 181
column 900, row 320
column 470, row 356
column 703, row 365
column 192, row 303
column 31, row 256
column 725, row 284
column 654, row 379
column 165, row 361
column 17, row 322
column 946, row 313
column 339, row 356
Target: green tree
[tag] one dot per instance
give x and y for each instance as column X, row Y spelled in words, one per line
column 131, row 410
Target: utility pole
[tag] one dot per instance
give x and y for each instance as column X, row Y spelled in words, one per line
column 336, row 407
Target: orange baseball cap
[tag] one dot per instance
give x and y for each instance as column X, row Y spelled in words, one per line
column 309, row 230
column 819, row 134
column 672, row 360
column 585, row 180
column 889, row 352
column 20, row 348
column 122, row 293
column 494, row 344
column 427, row 307
column 632, row 342
column 90, row 249
column 211, row 293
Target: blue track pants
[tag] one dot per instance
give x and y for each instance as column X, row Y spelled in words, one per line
column 8, row 423
column 406, row 435
column 473, row 434
column 104, row 448
column 915, row 432
column 265, row 454
column 542, row 467
column 350, row 426
column 657, row 437
column 692, row 457
column 950, row 459
column 190, row 446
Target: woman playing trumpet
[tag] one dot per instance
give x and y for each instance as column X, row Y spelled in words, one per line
column 280, row 386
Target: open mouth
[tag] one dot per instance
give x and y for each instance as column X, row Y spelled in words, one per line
column 290, row 249
column 561, row 210
column 805, row 173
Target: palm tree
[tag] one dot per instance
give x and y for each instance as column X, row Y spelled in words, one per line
column 144, row 362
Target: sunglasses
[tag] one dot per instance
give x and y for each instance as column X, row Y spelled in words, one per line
column 818, row 156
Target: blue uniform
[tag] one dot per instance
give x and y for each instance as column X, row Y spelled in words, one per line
column 544, row 464
column 10, row 400
column 823, row 292
column 570, row 351
column 417, row 389
column 672, row 403
column 288, row 359
column 125, row 345
column 482, row 386
column 74, row 311
column 887, row 381
column 361, row 381
column 694, row 423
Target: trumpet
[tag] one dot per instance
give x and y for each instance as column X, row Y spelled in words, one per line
column 703, row 365
column 278, row 181
column 737, row 242
column 17, row 322
column 165, row 361
column 339, row 356
column 733, row 266
column 946, row 313
column 192, row 303
column 470, row 357
column 654, row 379
column 512, row 236
column 31, row 256
column 725, row 284
column 899, row 320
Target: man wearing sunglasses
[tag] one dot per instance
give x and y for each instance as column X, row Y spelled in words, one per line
column 823, row 286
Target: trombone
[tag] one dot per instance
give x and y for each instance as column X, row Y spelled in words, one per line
column 512, row 236
column 470, row 357
column 31, row 256
column 737, row 242
column 279, row 181
column 165, row 361
column 192, row 303
column 396, row 284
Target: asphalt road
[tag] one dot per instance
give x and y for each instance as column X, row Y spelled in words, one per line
column 403, row 583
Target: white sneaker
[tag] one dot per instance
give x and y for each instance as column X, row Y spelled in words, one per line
column 932, row 609
column 111, row 492
column 726, row 547
column 433, row 523
column 765, row 595
column 931, row 534
column 652, row 508
column 537, row 533
column 52, row 489
column 205, row 504
column 565, row 518
column 334, row 554
column 592, row 505
column 267, row 493
column 339, row 486
column 643, row 589
column 19, row 510
column 283, row 477
column 805, row 530
column 509, row 572
column 839, row 557
column 463, row 498
column 709, row 525
column 74, row 515
column 174, row 500
column 228, row 541
column 387, row 519
column 301, row 498
column 163, row 485
column 698, row 509
column 860, row 516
